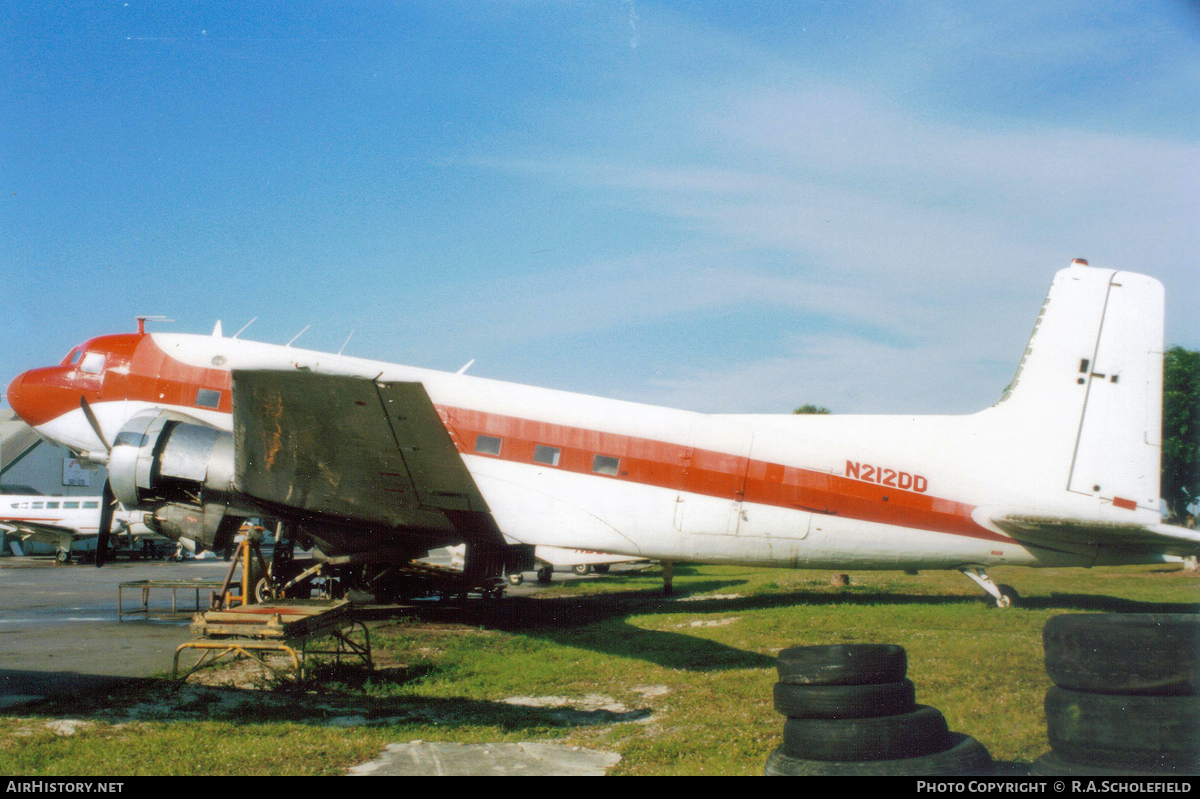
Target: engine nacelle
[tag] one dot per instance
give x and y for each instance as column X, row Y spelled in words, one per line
column 211, row 525
column 181, row 469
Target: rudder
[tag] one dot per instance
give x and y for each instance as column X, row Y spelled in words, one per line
column 1087, row 397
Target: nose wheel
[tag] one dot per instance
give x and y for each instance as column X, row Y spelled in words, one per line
column 1005, row 595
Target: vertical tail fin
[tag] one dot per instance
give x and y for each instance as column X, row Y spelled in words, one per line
column 1087, row 397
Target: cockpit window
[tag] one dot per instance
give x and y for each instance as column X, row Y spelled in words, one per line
column 92, row 363
column 73, row 357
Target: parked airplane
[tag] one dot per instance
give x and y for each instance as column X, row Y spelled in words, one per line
column 375, row 463
column 67, row 523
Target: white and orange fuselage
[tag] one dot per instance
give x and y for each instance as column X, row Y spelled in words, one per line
column 576, row 471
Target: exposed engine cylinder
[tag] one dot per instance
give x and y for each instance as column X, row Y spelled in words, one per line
column 182, row 469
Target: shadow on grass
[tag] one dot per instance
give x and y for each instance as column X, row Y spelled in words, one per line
column 1106, row 604
column 152, row 700
column 600, row 622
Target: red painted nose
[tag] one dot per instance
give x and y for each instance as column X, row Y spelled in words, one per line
column 39, row 395
column 15, row 399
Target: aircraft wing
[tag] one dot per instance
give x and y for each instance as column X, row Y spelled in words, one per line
column 363, row 451
column 1072, row 535
column 42, row 532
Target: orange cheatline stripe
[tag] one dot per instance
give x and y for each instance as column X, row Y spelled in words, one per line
column 716, row 474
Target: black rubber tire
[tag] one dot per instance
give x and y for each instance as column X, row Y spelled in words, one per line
column 1052, row 764
column 842, row 664
column 603, row 568
column 545, row 575
column 844, row 701
column 63, row 556
column 1009, row 598
column 1124, row 653
column 921, row 731
column 964, row 756
column 1146, row 733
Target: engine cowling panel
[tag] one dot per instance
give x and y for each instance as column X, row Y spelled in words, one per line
column 179, row 469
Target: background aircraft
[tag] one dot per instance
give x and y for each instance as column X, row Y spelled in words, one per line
column 67, row 523
column 374, row 463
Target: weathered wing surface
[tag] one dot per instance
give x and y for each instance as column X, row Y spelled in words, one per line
column 1072, row 535
column 350, row 448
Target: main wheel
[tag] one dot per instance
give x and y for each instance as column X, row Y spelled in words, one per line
column 516, row 578
column 63, row 556
column 264, row 591
column 545, row 574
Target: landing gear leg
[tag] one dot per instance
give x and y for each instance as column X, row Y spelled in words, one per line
column 1005, row 595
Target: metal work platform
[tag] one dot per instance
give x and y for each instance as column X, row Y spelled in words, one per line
column 146, row 586
column 288, row 627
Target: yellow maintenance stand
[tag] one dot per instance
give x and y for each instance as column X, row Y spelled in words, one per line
column 239, row 626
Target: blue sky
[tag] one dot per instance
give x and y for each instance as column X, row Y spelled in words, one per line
column 718, row 206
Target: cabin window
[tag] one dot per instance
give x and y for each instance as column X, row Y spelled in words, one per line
column 70, row 505
column 546, row 455
column 88, row 505
column 488, row 445
column 51, row 506
column 207, row 398
column 92, row 363
column 36, row 506
column 603, row 464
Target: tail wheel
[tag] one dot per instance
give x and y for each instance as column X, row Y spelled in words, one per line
column 582, row 569
column 1009, row 598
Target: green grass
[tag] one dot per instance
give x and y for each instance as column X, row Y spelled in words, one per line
column 676, row 685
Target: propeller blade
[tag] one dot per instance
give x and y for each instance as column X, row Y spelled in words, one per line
column 91, row 417
column 107, row 501
column 126, row 529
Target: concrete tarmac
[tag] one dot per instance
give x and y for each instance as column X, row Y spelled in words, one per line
column 59, row 631
column 60, row 634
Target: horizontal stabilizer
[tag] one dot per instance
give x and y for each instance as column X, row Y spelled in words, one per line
column 1067, row 534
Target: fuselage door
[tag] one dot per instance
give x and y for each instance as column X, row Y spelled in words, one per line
column 714, row 478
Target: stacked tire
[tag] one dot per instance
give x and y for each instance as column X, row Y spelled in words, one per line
column 1126, row 695
column 852, row 712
